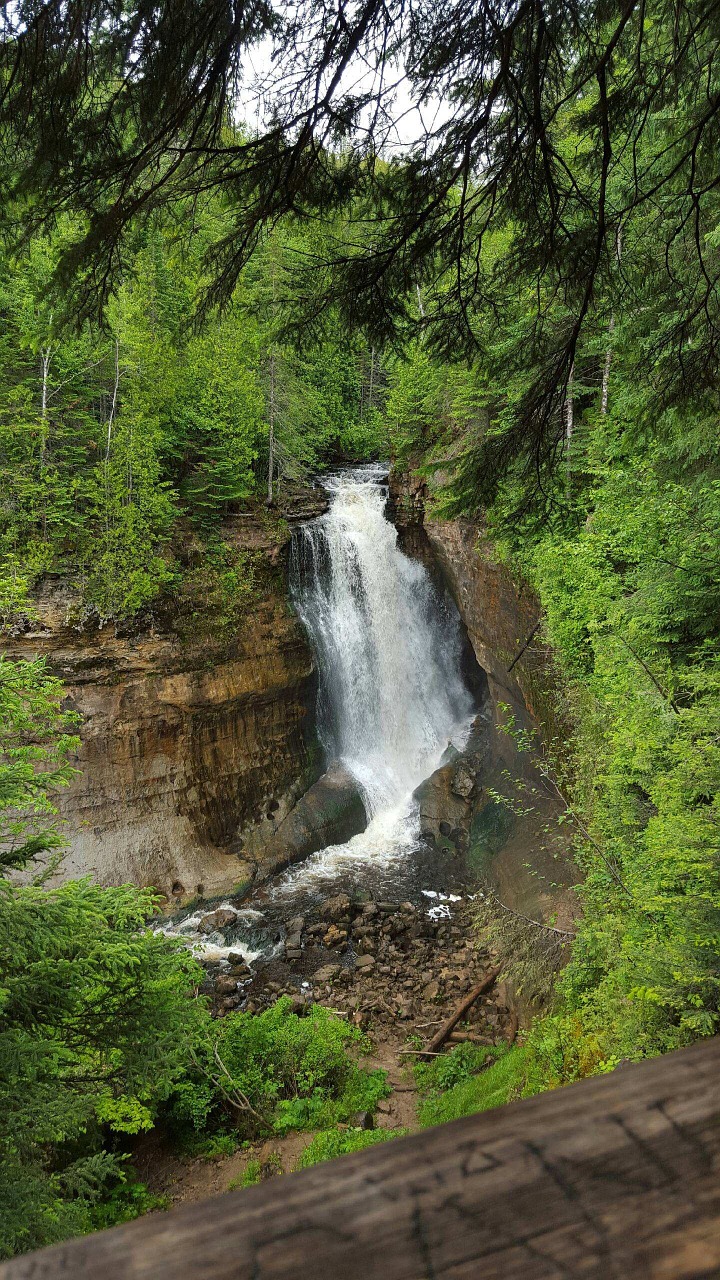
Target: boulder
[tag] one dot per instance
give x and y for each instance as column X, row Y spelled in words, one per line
column 225, row 986
column 442, row 809
column 331, row 812
column 337, row 908
column 219, row 919
column 327, row 973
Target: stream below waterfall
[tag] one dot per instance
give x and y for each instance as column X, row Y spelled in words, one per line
column 392, row 707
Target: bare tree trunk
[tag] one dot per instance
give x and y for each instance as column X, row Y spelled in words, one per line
column 113, row 406
column 605, row 389
column 271, row 438
column 604, row 392
column 45, row 357
column 372, row 379
column 569, row 405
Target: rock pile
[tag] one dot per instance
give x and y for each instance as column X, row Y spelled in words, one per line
column 375, row 961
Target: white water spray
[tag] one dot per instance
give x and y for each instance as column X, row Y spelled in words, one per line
column 388, row 650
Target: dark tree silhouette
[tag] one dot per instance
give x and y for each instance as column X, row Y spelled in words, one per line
column 569, row 122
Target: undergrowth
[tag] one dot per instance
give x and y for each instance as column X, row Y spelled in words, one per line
column 274, row 1072
column 343, row 1142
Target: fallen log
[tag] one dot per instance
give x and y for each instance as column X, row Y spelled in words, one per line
column 468, row 1037
column 441, row 1036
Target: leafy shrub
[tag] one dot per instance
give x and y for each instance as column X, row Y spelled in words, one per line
column 275, row 1071
column 462, row 1062
column 250, row 1176
column 129, row 1199
column 503, row 1080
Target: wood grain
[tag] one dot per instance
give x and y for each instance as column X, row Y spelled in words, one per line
column 614, row 1177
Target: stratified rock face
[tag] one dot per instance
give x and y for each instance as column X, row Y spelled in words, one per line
column 184, row 744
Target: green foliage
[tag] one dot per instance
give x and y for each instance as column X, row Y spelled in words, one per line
column 274, row 1072
column 213, row 597
column 343, row 1142
column 109, row 440
column 477, row 1090
column 35, row 749
column 462, row 1062
column 127, row 1200
column 95, row 1017
column 625, row 565
column 94, row 1026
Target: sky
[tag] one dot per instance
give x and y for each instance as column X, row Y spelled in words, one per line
column 405, row 121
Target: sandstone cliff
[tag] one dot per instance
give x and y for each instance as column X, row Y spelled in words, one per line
column 192, row 735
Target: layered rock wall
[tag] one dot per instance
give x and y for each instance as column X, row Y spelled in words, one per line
column 187, row 743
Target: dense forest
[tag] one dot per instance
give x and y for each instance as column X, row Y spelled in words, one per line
column 523, row 309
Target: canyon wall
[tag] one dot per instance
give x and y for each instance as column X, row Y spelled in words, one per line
column 192, row 738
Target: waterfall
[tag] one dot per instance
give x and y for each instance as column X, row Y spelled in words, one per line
column 387, row 646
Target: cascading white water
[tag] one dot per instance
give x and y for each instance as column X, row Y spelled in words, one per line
column 391, row 696
column 391, row 701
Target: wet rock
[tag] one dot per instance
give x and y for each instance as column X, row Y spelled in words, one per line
column 463, row 781
column 441, row 808
column 331, row 812
column 334, row 936
column 337, row 908
column 237, row 958
column 219, row 919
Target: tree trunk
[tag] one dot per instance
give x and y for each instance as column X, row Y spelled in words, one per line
column 605, row 389
column 113, row 405
column 569, row 406
column 448, row 1027
column 606, row 370
column 271, row 438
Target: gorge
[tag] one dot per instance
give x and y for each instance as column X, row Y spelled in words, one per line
column 409, row 808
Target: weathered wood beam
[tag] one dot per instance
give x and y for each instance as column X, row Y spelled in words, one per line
column 612, row 1177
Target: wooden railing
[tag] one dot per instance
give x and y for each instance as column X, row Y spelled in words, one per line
column 613, row 1177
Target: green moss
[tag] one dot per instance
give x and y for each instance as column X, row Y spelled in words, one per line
column 490, row 829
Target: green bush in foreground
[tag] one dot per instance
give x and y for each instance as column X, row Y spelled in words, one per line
column 503, row 1080
column 274, row 1072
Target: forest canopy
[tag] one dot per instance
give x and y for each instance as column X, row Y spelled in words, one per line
column 574, row 132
